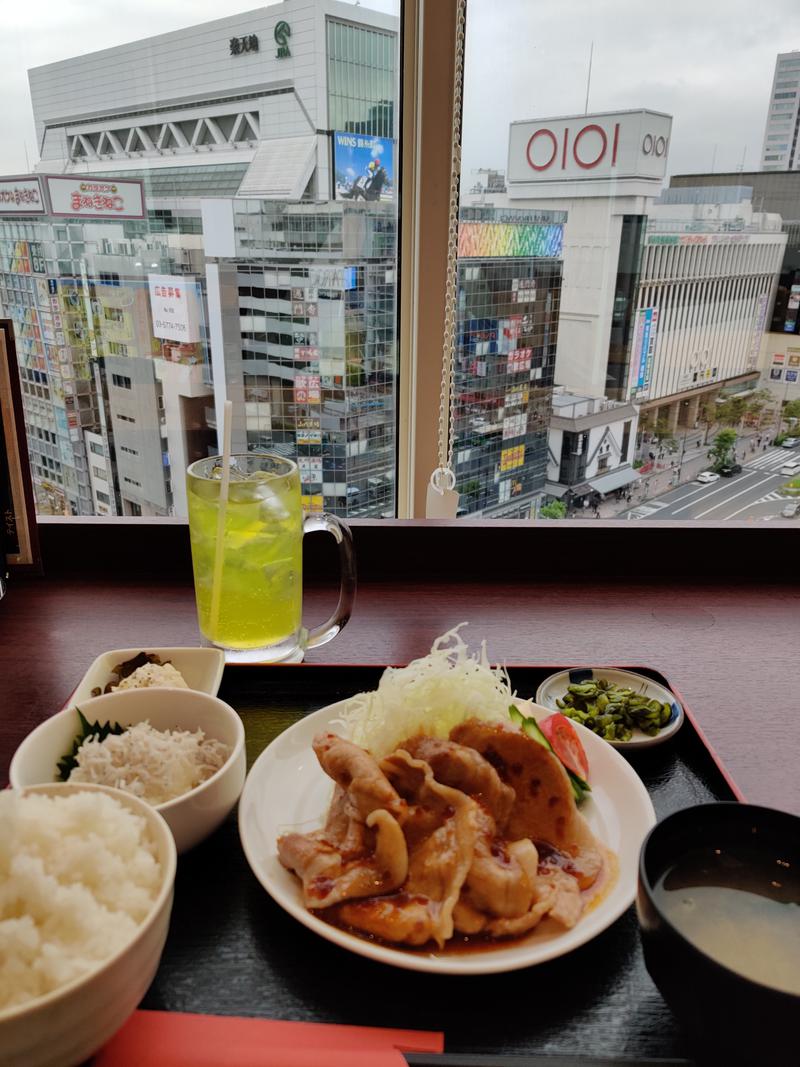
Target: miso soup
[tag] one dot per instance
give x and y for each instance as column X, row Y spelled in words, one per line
column 740, row 907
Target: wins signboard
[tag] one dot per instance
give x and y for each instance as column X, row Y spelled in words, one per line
column 364, row 167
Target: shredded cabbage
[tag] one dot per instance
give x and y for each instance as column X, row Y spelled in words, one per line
column 431, row 696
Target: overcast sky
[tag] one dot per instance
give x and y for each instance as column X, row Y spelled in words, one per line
column 708, row 63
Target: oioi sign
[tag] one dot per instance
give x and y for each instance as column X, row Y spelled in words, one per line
column 622, row 144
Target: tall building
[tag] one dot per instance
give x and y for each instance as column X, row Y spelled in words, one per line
column 781, row 150
column 509, row 288
column 277, row 128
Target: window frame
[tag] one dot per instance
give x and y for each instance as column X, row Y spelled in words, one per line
column 463, row 547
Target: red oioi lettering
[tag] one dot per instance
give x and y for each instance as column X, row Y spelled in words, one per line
column 580, row 154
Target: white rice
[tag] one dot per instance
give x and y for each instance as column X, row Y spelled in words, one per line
column 78, row 874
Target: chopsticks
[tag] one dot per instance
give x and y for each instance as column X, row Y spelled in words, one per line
column 467, row 1059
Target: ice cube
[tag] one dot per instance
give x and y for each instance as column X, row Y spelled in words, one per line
column 235, row 476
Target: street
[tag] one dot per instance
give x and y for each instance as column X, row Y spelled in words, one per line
column 753, row 494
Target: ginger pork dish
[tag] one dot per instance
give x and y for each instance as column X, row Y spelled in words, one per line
column 467, row 829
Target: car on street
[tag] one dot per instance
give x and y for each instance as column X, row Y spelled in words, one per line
column 730, row 469
column 707, row 476
column 791, row 509
column 790, row 442
column 790, row 467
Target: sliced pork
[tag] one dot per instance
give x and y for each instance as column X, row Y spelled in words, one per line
column 441, row 830
column 544, row 809
column 465, row 769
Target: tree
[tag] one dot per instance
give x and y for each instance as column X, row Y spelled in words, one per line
column 556, row 509
column 756, row 403
column 722, row 452
column 707, row 415
column 791, row 410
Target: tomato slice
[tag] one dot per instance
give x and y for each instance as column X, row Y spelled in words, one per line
column 563, row 736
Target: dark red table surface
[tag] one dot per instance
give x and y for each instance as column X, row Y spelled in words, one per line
column 730, row 650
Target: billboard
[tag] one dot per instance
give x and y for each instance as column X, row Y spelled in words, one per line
column 21, row 196
column 644, row 343
column 174, row 307
column 96, row 198
column 363, row 167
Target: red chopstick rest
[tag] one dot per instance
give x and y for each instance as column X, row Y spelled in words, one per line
column 176, row 1039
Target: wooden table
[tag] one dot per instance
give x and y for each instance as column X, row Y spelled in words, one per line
column 728, row 647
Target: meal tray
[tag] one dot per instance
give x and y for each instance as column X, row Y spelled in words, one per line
column 232, row 951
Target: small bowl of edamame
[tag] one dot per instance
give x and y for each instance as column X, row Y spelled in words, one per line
column 623, row 707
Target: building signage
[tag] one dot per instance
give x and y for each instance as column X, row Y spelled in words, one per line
column 240, row 45
column 21, row 196
column 758, row 329
column 794, row 357
column 510, row 458
column 174, row 306
column 644, row 343
column 307, row 389
column 283, row 31
column 363, row 167
column 96, row 198
column 621, row 144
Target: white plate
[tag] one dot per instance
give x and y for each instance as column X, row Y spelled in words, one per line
column 201, row 668
column 288, row 790
column 556, row 686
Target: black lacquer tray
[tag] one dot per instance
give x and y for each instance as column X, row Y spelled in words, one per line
column 232, row 951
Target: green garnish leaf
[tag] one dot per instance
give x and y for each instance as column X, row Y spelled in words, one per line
column 67, row 764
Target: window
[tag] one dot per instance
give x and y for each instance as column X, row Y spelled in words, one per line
column 286, row 299
column 104, row 498
column 99, row 472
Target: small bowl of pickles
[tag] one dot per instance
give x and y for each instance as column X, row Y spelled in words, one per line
column 624, row 708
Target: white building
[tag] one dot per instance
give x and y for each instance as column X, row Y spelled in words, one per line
column 705, row 286
column 591, row 445
column 604, row 170
column 781, row 150
column 247, row 118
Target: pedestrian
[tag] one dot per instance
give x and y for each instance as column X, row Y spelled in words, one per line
column 764, row 447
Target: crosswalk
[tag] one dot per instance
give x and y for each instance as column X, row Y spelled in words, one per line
column 770, row 461
column 774, row 495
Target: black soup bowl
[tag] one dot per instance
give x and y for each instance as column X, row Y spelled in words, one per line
column 728, row 1016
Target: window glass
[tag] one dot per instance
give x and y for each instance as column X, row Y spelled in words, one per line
column 629, row 276
column 229, row 235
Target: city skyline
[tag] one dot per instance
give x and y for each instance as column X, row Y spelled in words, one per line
column 638, row 61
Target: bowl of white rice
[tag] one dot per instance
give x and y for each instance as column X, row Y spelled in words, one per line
column 86, row 883
column 180, row 751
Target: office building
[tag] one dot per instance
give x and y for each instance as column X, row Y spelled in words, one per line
column 284, row 119
column 776, row 193
column 509, row 287
column 781, row 149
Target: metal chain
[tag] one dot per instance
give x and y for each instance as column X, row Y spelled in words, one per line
column 444, row 474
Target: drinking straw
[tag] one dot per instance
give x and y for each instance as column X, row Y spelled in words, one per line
column 222, row 507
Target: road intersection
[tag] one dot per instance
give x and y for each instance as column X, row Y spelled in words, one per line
column 753, row 494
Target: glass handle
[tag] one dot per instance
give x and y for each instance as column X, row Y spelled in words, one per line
column 320, row 635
